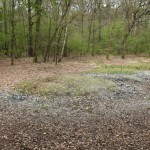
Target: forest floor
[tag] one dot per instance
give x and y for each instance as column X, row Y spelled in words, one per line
column 114, row 115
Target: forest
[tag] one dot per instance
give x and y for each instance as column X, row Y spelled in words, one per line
column 53, row 29
column 74, row 74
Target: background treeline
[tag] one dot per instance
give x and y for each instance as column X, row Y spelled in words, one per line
column 53, row 29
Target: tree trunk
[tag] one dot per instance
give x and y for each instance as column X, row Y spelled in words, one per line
column 108, row 13
column 5, row 26
column 93, row 30
column 90, row 26
column 38, row 20
column 58, row 26
column 12, row 32
column 64, row 43
column 98, row 2
column 58, row 46
column 30, row 25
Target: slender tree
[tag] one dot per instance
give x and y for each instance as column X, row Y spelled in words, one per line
column 5, row 24
column 12, row 31
column 38, row 11
column 30, row 28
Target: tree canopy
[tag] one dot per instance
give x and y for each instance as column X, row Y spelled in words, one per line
column 53, row 29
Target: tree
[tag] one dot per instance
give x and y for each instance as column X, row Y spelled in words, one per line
column 62, row 10
column 45, row 29
column 38, row 11
column 5, row 25
column 30, row 28
column 133, row 11
column 12, row 31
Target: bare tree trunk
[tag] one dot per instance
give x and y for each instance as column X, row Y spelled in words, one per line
column 64, row 43
column 93, row 38
column 30, row 25
column 5, row 26
column 59, row 25
column 82, row 22
column 93, row 30
column 90, row 31
column 98, row 2
column 58, row 46
column 37, row 36
column 90, row 25
column 108, row 24
column 12, row 32
column 49, row 44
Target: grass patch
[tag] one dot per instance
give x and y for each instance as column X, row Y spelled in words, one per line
column 74, row 85
column 119, row 69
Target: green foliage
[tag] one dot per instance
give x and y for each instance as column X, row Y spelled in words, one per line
column 112, row 36
column 77, row 44
column 139, row 43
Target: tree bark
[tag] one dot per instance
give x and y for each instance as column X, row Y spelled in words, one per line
column 58, row 27
column 5, row 26
column 64, row 43
column 90, row 25
column 98, row 2
column 30, row 25
column 37, row 36
column 12, row 32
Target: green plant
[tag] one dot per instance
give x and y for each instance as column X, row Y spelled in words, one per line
column 65, row 85
column 119, row 69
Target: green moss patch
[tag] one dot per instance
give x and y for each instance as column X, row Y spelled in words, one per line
column 74, row 85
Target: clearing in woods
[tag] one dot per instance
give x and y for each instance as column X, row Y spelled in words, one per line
column 82, row 103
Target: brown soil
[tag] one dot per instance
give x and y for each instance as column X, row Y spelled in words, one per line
column 24, row 69
column 22, row 128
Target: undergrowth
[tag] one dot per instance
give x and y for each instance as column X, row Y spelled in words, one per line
column 120, row 69
column 73, row 85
